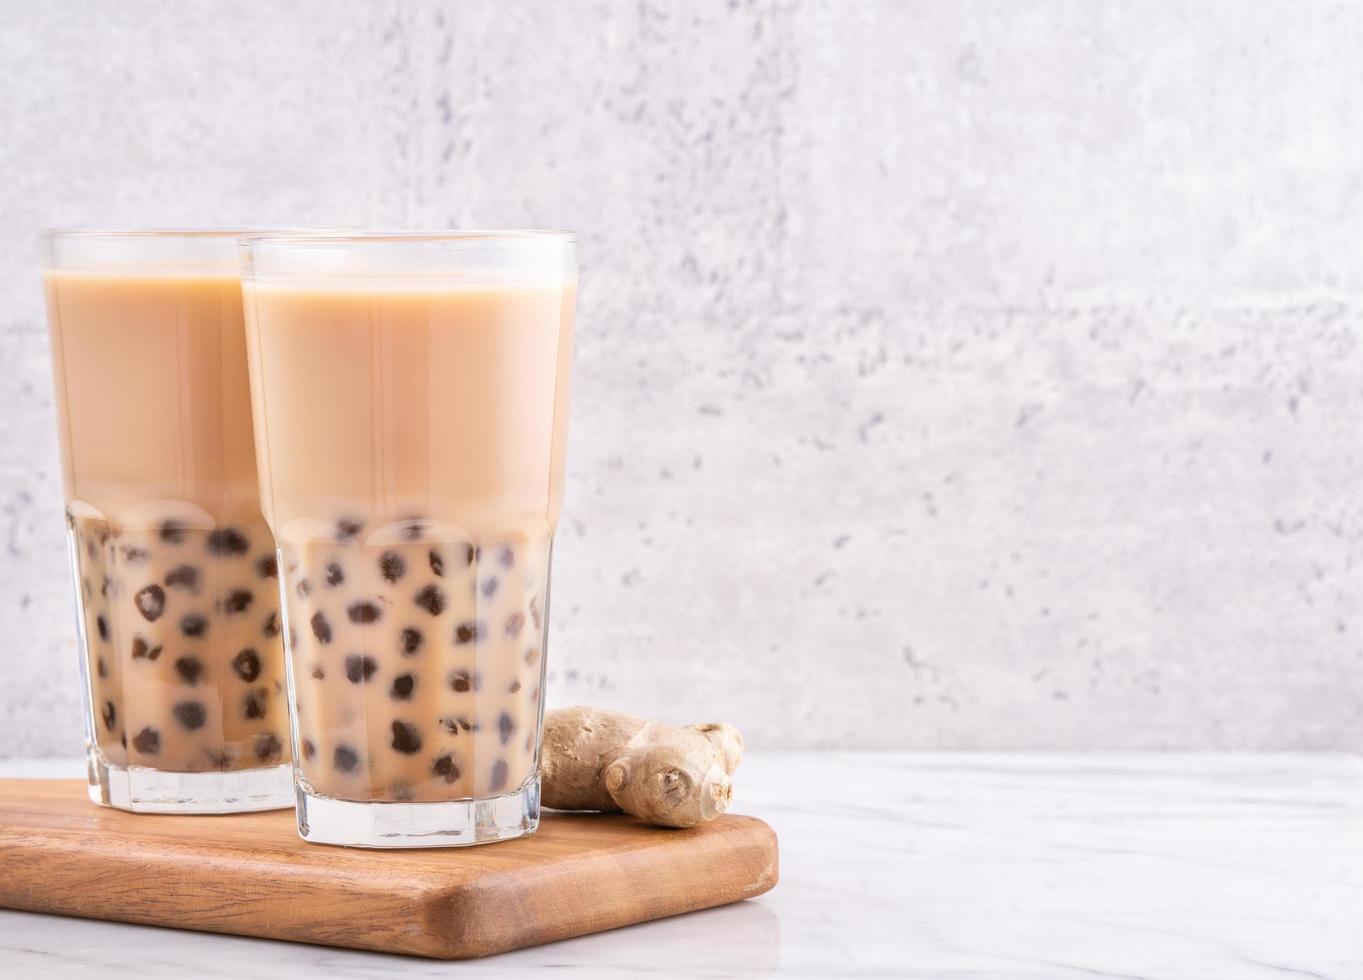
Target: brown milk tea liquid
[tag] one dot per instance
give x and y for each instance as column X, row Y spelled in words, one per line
column 411, row 442
column 179, row 601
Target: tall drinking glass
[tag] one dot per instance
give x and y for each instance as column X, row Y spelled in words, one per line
column 179, row 622
column 410, row 394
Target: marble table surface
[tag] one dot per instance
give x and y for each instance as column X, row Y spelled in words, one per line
column 924, row 865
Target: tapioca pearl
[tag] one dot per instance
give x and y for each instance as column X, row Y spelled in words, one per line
column 437, row 562
column 147, row 741
column 150, row 602
column 268, row 748
column 462, row 681
column 391, row 566
column 507, row 558
column 505, row 727
column 472, row 554
column 90, row 548
column 335, row 575
column 109, row 714
column 446, row 767
column 267, row 566
column 363, row 612
column 413, row 529
column 247, row 665
column 171, row 532
column 307, row 748
column 409, row 641
column 142, row 650
column 469, row 632
column 109, row 589
column 348, row 528
column 102, row 627
column 221, row 761
column 190, row 669
column 228, row 542
column 184, row 577
column 402, row 688
column 255, row 704
column 430, row 599
column 134, row 555
column 535, row 612
column 193, row 624
column 86, row 589
column 514, row 688
column 490, row 587
column 532, row 656
column 360, row 667
column 454, row 724
column 123, row 739
column 238, row 601
column 345, row 759
column 497, row 780
column 535, row 696
column 318, row 673
column 303, row 588
column 190, row 714
column 271, row 628
column 406, row 738
column 101, row 668
column 514, row 624
column 320, row 628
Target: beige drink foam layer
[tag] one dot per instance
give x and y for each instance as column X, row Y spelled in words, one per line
column 411, row 442
column 176, row 567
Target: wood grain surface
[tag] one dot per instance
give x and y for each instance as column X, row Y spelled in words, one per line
column 250, row 874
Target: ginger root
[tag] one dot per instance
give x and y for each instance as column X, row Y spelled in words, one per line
column 604, row 760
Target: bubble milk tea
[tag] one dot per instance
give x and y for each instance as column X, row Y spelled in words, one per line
column 179, row 619
column 411, row 433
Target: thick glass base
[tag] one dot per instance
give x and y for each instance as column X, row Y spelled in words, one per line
column 323, row 820
column 153, row 791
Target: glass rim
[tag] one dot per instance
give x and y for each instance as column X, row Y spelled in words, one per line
column 53, row 234
column 406, row 237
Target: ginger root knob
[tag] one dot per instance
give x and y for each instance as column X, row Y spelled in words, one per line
column 604, row 760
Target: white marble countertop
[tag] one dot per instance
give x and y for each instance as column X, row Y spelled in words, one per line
column 924, row 865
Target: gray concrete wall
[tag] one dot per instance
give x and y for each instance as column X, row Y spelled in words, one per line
column 949, row 374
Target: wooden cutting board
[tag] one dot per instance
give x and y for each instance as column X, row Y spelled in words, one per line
column 250, row 874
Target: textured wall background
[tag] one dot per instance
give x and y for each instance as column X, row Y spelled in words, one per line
column 949, row 374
